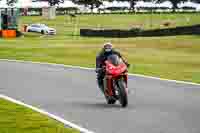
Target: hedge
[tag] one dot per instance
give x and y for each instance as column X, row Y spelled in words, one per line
column 183, row 30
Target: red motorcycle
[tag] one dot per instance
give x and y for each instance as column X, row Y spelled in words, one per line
column 115, row 81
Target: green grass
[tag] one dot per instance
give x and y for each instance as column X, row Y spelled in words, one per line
column 175, row 57
column 18, row 119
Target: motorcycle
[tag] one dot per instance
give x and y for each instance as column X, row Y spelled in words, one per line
column 115, row 81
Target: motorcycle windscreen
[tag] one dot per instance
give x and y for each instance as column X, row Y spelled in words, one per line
column 115, row 70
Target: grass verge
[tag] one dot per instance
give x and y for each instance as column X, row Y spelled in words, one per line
column 18, row 119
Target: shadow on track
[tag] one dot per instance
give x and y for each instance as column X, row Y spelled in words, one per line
column 100, row 105
column 96, row 105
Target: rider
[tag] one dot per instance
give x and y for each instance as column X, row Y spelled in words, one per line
column 106, row 51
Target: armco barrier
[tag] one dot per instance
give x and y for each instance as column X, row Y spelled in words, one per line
column 184, row 30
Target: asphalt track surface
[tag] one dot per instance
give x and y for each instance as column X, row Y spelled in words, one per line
column 71, row 93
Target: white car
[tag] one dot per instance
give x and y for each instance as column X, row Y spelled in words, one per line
column 41, row 28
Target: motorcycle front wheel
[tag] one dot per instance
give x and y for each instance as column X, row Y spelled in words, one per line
column 123, row 98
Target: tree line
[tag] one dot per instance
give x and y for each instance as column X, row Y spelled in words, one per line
column 97, row 3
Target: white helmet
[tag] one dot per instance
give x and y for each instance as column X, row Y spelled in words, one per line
column 107, row 47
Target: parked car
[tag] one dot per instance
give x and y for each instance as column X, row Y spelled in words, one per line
column 41, row 28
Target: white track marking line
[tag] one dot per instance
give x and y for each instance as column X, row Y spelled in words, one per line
column 163, row 79
column 85, row 68
column 72, row 125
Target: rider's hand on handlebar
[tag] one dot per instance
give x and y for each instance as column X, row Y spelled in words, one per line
column 127, row 64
